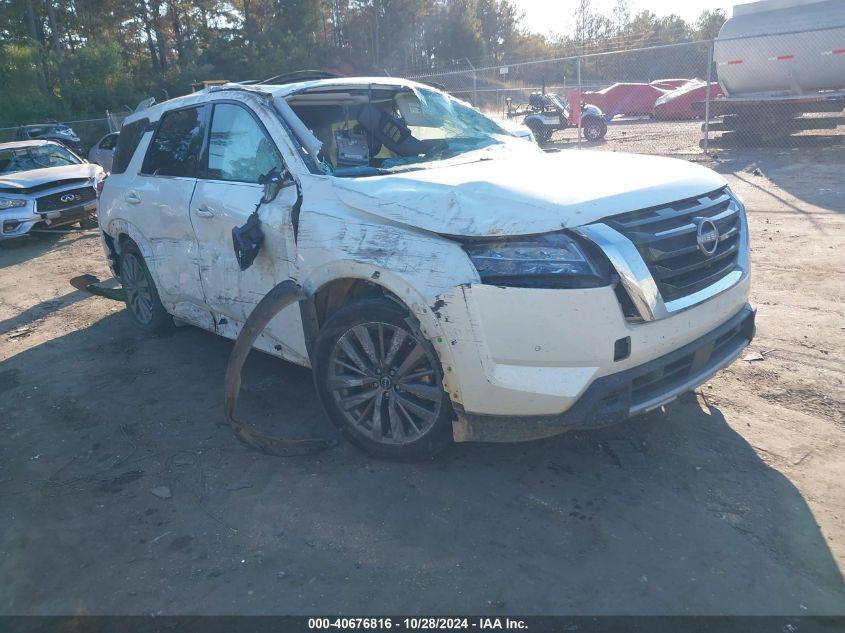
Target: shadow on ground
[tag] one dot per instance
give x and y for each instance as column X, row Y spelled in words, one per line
column 807, row 167
column 691, row 521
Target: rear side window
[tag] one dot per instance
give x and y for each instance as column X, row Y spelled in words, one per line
column 108, row 142
column 176, row 146
column 127, row 142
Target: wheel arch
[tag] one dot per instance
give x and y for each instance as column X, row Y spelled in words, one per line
column 121, row 230
column 330, row 288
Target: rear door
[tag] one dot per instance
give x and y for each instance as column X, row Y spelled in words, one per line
column 158, row 199
column 240, row 151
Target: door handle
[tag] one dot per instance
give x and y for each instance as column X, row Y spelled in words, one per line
column 204, row 211
column 133, row 198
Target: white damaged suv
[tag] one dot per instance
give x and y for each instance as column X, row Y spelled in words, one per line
column 462, row 284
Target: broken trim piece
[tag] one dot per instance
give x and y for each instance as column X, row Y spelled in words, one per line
column 310, row 142
column 281, row 296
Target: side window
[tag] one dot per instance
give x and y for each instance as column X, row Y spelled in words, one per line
column 176, row 146
column 127, row 142
column 108, row 142
column 239, row 150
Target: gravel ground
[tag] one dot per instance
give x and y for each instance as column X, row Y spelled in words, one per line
column 729, row 501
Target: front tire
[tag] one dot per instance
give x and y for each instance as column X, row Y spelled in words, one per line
column 142, row 300
column 89, row 222
column 594, row 129
column 380, row 382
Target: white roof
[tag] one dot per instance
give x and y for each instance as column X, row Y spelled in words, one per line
column 349, row 83
column 33, row 143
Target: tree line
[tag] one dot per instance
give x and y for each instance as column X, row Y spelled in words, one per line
column 68, row 59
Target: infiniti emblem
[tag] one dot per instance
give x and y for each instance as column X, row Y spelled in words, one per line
column 707, row 236
column 70, row 197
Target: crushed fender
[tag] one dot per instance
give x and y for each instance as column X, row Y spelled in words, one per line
column 110, row 289
column 280, row 297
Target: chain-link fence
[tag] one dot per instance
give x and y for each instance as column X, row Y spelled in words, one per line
column 679, row 99
column 784, row 88
column 623, row 85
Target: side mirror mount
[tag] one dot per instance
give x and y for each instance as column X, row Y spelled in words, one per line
column 274, row 181
column 247, row 239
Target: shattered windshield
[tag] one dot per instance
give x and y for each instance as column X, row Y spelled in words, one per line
column 379, row 131
column 17, row 159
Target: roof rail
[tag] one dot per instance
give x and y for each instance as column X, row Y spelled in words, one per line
column 145, row 103
column 298, row 75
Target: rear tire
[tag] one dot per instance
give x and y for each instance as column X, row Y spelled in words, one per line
column 380, row 382
column 142, row 300
column 541, row 134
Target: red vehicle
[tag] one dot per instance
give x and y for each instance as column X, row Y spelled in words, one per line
column 670, row 84
column 678, row 104
column 625, row 98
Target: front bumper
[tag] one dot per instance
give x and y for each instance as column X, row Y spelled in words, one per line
column 20, row 221
column 615, row 397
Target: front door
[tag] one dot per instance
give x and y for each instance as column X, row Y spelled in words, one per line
column 240, row 152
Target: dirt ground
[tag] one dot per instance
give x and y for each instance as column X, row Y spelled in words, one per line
column 730, row 501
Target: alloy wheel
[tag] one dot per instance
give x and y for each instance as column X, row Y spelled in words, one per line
column 136, row 284
column 385, row 382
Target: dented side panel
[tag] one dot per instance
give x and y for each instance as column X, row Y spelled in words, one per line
column 336, row 242
column 233, row 293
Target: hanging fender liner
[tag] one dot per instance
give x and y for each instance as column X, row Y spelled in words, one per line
column 110, row 289
column 283, row 295
column 280, row 297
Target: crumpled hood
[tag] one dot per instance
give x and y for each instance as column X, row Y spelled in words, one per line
column 532, row 193
column 26, row 179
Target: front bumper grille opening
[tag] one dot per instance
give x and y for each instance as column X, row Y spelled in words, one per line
column 667, row 377
column 651, row 383
column 727, row 339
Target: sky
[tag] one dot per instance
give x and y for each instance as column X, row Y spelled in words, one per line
column 543, row 16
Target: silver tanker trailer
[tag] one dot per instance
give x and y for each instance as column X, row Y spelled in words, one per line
column 777, row 61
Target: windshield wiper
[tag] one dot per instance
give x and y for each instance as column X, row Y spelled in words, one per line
column 355, row 172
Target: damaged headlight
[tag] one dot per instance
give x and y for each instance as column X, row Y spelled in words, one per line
column 11, row 203
column 554, row 260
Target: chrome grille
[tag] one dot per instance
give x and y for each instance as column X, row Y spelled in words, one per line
column 54, row 202
column 666, row 238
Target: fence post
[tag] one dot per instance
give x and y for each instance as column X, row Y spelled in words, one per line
column 474, row 83
column 578, row 105
column 707, row 98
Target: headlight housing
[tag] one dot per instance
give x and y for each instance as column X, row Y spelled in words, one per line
column 11, row 203
column 553, row 260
